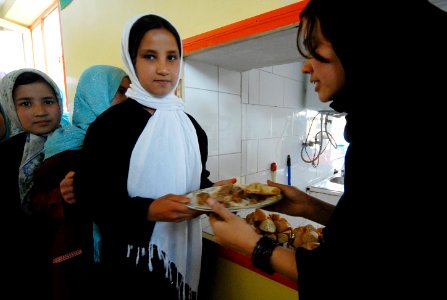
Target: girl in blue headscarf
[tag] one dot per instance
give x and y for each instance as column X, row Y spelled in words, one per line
column 70, row 230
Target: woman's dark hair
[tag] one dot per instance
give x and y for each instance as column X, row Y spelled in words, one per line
column 28, row 78
column 315, row 14
column 143, row 25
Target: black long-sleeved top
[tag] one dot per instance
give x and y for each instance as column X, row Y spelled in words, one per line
column 24, row 259
column 102, row 178
column 383, row 236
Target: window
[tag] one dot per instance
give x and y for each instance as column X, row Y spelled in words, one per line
column 10, row 58
column 47, row 47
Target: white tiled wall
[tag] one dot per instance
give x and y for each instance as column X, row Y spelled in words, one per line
column 255, row 118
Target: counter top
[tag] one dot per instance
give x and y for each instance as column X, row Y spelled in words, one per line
column 327, row 186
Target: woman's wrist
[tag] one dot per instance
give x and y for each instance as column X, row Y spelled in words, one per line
column 262, row 254
column 318, row 210
column 251, row 245
column 309, row 207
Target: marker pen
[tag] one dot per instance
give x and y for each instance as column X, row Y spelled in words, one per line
column 289, row 181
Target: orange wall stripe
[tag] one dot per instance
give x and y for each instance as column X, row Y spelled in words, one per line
column 275, row 19
column 245, row 262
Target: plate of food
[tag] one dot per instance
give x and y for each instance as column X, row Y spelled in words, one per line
column 235, row 197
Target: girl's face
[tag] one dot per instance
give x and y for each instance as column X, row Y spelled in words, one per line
column 120, row 95
column 37, row 107
column 158, row 62
column 328, row 77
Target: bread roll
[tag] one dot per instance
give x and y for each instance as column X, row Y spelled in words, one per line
column 268, row 226
column 283, row 237
column 259, row 215
column 310, row 246
column 310, row 237
column 281, row 225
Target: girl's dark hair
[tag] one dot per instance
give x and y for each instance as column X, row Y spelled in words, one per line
column 28, row 78
column 143, row 25
column 314, row 14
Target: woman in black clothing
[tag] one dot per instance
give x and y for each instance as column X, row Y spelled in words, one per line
column 376, row 63
column 140, row 158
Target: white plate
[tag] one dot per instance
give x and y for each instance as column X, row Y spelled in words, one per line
column 244, row 204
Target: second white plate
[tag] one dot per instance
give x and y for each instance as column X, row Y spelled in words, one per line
column 234, row 206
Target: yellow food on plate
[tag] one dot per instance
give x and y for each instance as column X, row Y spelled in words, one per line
column 261, row 189
column 235, row 197
column 202, row 197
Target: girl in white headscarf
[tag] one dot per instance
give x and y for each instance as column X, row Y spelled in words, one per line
column 33, row 103
column 141, row 158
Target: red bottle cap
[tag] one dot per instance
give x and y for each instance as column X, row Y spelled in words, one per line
column 273, row 167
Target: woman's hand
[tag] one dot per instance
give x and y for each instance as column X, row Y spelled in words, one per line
column 171, row 208
column 295, row 201
column 300, row 204
column 230, row 230
column 233, row 232
column 67, row 188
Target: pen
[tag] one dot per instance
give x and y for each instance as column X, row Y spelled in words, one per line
column 289, row 182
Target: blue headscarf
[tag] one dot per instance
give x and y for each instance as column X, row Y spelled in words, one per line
column 96, row 89
column 95, row 92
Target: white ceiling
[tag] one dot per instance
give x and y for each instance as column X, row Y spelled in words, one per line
column 23, row 12
column 270, row 49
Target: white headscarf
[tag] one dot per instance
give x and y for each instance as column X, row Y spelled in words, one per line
column 33, row 149
column 166, row 159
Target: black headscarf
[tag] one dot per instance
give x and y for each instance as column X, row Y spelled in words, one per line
column 379, row 43
column 395, row 62
column 392, row 53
